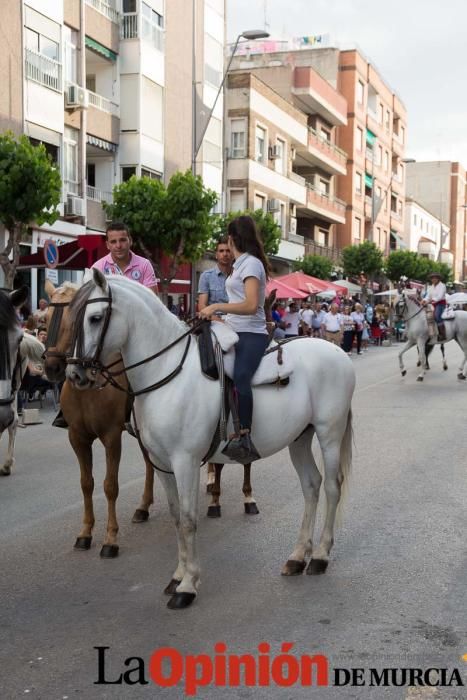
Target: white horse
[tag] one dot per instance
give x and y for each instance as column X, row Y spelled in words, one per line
column 413, row 312
column 177, row 419
column 16, row 350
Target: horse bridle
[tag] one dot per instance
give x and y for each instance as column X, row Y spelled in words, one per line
column 401, row 314
column 94, row 364
column 53, row 330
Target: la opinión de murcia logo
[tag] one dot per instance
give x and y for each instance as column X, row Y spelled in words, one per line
column 167, row 667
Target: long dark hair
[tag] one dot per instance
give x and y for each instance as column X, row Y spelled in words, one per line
column 245, row 237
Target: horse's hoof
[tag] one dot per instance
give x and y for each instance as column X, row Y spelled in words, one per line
column 317, row 566
column 214, row 511
column 461, row 376
column 181, row 600
column 445, row 368
column 419, row 379
column 172, row 587
column 5, row 471
column 292, row 567
column 209, row 488
column 140, row 516
column 83, row 543
column 109, row 551
column 251, row 508
column 403, row 372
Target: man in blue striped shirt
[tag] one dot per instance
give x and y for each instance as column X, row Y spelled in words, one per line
column 211, row 288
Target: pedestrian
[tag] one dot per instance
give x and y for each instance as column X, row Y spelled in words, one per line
column 40, row 315
column 306, row 319
column 348, row 325
column 358, row 319
column 317, row 320
column 122, row 261
column 246, row 290
column 211, row 287
column 291, row 319
column 333, row 326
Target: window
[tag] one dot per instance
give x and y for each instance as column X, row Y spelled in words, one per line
column 388, row 120
column 280, row 164
column 151, row 15
column 379, row 157
column 237, row 200
column 360, row 92
column 151, row 27
column 386, row 161
column 153, row 110
column 129, row 5
column 414, row 219
column 380, row 113
column 283, row 217
column 237, row 138
column 127, row 172
column 357, row 229
column 53, row 151
column 153, row 174
column 213, row 61
column 260, row 202
column 212, row 145
column 378, row 236
column 402, row 134
column 260, row 148
column 70, row 160
column 358, row 183
column 91, row 174
column 91, row 83
column 359, row 139
column 325, row 134
column 70, row 43
column 323, row 186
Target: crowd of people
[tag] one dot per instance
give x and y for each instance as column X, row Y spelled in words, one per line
column 344, row 322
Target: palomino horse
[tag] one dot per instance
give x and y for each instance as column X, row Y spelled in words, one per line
column 16, row 351
column 90, row 415
column 418, row 333
column 177, row 410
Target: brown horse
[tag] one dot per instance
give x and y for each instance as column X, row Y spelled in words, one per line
column 91, row 415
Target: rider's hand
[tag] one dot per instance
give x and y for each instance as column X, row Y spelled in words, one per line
column 208, row 311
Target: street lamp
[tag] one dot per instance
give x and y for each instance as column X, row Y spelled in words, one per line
column 249, row 35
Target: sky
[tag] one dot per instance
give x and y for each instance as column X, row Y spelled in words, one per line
column 418, row 46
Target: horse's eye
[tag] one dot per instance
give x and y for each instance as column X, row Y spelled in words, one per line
column 95, row 319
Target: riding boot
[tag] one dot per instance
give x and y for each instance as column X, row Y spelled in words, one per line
column 241, row 449
column 59, row 420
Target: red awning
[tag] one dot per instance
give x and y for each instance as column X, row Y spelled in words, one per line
column 283, row 291
column 77, row 255
column 309, row 284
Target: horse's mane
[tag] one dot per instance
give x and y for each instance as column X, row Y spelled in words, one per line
column 72, row 286
column 8, row 316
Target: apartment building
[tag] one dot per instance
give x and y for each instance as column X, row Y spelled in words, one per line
column 440, row 187
column 282, row 151
column 425, row 233
column 107, row 87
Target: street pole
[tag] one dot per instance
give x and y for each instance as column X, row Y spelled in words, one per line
column 193, row 141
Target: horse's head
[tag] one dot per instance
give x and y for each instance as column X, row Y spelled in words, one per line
column 59, row 329
column 93, row 341
column 400, row 305
column 10, row 338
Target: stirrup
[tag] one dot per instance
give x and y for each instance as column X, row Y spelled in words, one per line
column 241, row 449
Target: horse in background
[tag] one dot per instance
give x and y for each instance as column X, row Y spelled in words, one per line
column 91, row 415
column 177, row 410
column 17, row 349
column 414, row 314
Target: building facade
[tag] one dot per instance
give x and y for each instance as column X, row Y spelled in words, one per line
column 440, row 186
column 425, row 233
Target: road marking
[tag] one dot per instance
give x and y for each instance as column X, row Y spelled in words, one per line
column 381, row 381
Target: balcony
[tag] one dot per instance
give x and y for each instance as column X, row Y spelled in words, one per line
column 43, row 70
column 96, row 218
column 134, row 26
column 326, row 154
column 313, row 248
column 397, row 145
column 314, row 95
column 104, row 8
column 323, row 205
column 96, row 195
column 104, row 104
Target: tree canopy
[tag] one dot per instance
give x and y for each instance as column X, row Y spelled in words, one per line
column 175, row 220
column 407, row 263
column 30, row 191
column 366, row 258
column 314, row 265
column 268, row 228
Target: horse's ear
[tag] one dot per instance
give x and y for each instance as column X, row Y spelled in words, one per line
column 19, row 296
column 99, row 279
column 87, row 277
column 49, row 288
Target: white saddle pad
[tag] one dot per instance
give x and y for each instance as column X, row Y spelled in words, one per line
column 448, row 314
column 225, row 335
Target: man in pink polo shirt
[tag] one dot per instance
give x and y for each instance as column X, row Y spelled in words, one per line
column 122, row 261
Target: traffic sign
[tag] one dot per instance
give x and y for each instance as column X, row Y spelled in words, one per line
column 50, row 253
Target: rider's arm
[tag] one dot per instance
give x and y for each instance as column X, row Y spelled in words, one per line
column 243, row 308
column 202, row 301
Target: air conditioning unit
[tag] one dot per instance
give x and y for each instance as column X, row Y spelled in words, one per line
column 293, row 225
column 293, row 153
column 74, row 206
column 274, row 152
column 76, row 97
column 273, row 205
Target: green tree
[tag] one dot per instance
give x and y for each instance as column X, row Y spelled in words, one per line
column 314, row 265
column 268, row 228
column 30, row 190
column 402, row 263
column 366, row 258
column 175, row 220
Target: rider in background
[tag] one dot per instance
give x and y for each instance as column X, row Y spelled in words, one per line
column 246, row 289
column 436, row 294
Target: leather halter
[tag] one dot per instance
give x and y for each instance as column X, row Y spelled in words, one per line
column 55, row 323
column 406, row 308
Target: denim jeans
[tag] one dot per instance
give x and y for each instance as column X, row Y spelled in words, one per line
column 248, row 353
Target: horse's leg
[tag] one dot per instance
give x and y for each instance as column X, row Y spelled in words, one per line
column 336, row 446
column 170, row 488
column 421, row 349
column 10, row 458
column 406, row 347
column 82, row 447
column 445, row 364
column 462, row 374
column 250, row 504
column 428, row 351
column 187, row 474
column 113, row 452
column 310, row 481
column 210, row 477
column 141, row 514
column 214, row 508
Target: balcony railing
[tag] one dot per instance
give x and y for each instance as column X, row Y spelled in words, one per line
column 43, row 70
column 103, row 104
column 315, row 139
column 327, row 200
column 105, row 9
column 98, row 195
column 295, row 177
column 135, row 27
column 313, row 248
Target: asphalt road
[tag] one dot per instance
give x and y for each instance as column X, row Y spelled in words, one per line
column 394, row 594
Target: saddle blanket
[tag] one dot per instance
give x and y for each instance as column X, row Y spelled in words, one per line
column 449, row 314
column 269, row 370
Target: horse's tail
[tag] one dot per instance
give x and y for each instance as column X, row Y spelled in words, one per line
column 345, row 461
